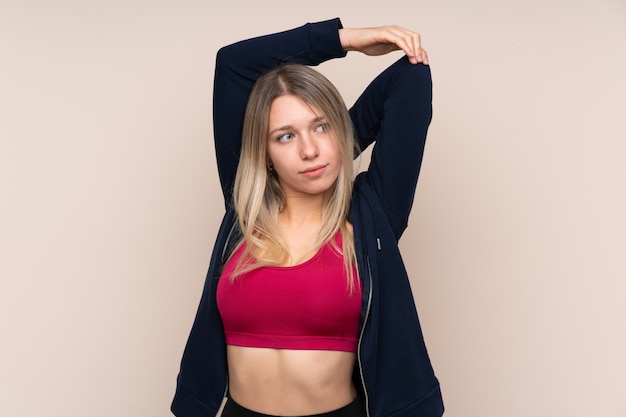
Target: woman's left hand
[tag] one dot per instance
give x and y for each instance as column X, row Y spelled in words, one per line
column 382, row 40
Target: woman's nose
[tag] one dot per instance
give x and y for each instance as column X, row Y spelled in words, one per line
column 308, row 147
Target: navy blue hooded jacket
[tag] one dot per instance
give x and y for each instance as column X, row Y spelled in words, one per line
column 393, row 369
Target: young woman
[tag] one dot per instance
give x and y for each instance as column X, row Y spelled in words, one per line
column 307, row 308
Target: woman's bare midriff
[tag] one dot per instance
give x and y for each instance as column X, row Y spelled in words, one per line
column 290, row 382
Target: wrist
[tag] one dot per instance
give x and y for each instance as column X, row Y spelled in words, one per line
column 344, row 39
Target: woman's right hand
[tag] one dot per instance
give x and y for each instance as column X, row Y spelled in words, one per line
column 382, row 40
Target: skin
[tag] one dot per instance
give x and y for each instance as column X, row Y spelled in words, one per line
column 303, row 152
column 301, row 148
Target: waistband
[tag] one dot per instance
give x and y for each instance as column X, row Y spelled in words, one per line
column 354, row 409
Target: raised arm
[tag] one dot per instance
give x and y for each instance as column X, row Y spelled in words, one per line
column 239, row 65
column 394, row 112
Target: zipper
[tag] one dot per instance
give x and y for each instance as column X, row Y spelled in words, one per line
column 226, row 244
column 367, row 313
column 224, row 397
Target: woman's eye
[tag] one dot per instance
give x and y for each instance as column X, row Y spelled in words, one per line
column 322, row 128
column 285, row 138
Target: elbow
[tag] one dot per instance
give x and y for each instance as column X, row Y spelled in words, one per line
column 415, row 78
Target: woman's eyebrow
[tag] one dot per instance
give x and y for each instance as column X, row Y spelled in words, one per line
column 290, row 127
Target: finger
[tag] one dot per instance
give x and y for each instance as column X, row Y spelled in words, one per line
column 420, row 53
column 404, row 40
column 412, row 44
column 417, row 47
column 425, row 57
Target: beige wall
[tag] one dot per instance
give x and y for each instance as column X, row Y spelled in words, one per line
column 110, row 202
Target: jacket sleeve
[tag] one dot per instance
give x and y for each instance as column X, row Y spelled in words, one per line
column 239, row 65
column 394, row 113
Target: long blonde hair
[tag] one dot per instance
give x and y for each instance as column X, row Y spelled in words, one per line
column 257, row 195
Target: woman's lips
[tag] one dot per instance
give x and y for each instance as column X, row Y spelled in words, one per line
column 314, row 171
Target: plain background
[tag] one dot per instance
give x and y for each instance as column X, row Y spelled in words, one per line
column 110, row 203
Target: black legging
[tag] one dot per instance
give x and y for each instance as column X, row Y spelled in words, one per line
column 354, row 409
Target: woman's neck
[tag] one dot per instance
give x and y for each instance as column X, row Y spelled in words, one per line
column 300, row 222
column 301, row 212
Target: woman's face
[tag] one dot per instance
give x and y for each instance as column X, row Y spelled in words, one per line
column 301, row 147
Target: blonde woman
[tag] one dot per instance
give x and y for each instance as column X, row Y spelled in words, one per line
column 307, row 308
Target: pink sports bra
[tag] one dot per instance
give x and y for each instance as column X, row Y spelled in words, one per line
column 306, row 306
